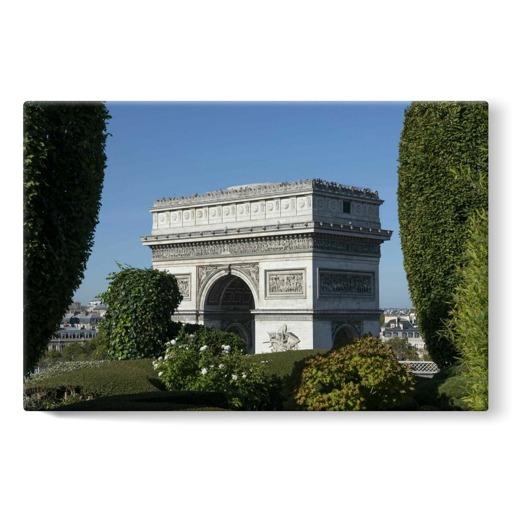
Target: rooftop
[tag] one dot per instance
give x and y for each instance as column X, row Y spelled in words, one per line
column 267, row 189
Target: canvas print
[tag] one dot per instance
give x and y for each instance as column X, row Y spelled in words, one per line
column 256, row 256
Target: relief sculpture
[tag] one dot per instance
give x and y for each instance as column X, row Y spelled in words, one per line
column 287, row 284
column 184, row 286
column 346, row 283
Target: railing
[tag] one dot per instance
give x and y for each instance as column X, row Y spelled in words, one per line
column 422, row 368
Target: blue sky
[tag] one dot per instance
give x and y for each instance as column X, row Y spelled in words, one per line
column 164, row 149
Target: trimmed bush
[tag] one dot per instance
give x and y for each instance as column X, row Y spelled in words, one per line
column 214, row 361
column 138, row 321
column 364, row 375
column 442, row 178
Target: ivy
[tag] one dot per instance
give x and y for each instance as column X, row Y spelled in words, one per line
column 140, row 304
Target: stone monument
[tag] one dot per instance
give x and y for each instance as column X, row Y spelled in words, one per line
column 284, row 265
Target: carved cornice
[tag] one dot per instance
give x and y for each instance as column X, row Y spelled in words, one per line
column 266, row 189
column 267, row 245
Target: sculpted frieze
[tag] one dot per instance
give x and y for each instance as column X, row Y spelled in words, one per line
column 264, row 245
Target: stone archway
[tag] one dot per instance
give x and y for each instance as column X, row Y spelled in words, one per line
column 307, row 251
column 228, row 306
column 344, row 335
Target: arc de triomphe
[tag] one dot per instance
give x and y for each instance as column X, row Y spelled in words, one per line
column 284, row 265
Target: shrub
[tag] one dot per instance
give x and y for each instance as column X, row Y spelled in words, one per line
column 138, row 320
column 364, row 375
column 214, row 361
column 442, row 178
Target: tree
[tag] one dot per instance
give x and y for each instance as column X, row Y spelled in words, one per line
column 468, row 328
column 64, row 163
column 402, row 349
column 442, row 166
column 138, row 321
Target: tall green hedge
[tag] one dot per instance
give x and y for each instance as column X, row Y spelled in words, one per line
column 442, row 179
column 64, row 162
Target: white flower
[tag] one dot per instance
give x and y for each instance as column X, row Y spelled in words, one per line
column 166, row 357
column 221, row 366
column 244, row 376
column 160, row 358
column 203, row 348
column 160, row 374
column 204, row 371
column 234, row 377
column 173, row 342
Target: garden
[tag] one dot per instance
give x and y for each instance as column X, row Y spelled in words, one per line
column 206, row 370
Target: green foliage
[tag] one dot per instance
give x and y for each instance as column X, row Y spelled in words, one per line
column 138, row 320
column 92, row 350
column 402, row 349
column 468, row 327
column 64, row 162
column 214, row 361
column 442, row 178
column 364, row 375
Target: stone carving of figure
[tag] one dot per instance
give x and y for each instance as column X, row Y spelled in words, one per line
column 282, row 340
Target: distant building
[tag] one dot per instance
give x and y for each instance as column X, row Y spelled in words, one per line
column 80, row 321
column 66, row 336
column 402, row 327
column 78, row 325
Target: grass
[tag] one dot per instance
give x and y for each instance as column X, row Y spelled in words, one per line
column 134, row 386
column 129, row 386
column 281, row 363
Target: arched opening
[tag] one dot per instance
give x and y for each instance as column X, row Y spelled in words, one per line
column 228, row 307
column 344, row 335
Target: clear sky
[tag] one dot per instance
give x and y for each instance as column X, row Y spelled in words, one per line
column 160, row 150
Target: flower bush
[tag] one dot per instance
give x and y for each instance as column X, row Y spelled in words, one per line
column 364, row 375
column 210, row 360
